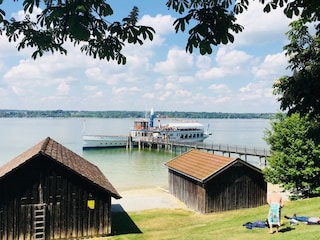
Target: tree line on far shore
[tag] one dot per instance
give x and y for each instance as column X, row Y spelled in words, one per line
column 5, row 113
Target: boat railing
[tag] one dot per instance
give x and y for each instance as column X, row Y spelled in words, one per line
column 104, row 136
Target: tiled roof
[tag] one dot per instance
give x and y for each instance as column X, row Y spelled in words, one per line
column 67, row 158
column 201, row 165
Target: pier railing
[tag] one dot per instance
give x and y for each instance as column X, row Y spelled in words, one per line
column 224, row 148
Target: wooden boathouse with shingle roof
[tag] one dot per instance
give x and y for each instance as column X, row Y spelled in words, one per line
column 49, row 192
column 208, row 183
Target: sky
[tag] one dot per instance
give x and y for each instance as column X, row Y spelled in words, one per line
column 160, row 74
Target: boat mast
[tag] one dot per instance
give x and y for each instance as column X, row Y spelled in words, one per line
column 151, row 118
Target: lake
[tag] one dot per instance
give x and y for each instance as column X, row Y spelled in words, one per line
column 124, row 168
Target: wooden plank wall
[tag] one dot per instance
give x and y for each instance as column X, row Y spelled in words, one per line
column 237, row 187
column 68, row 215
column 185, row 189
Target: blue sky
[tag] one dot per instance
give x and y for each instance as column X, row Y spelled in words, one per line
column 160, row 74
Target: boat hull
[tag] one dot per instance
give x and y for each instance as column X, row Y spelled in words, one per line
column 103, row 141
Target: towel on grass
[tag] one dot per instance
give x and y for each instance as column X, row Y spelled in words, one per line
column 274, row 214
column 255, row 224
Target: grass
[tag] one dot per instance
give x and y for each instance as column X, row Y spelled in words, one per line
column 184, row 224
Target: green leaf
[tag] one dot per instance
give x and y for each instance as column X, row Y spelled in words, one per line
column 224, row 39
column 289, row 13
column 205, row 48
column 296, row 11
column 28, row 6
column 81, row 8
column 267, row 8
column 230, row 37
column 150, row 34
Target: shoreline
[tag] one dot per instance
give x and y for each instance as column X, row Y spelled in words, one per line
column 140, row 199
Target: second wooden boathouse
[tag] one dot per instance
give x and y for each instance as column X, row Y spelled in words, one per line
column 49, row 192
column 207, row 182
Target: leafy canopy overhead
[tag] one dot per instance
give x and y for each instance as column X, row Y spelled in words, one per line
column 212, row 22
column 299, row 93
column 76, row 21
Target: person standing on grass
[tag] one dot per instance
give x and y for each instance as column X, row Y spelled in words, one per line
column 275, row 202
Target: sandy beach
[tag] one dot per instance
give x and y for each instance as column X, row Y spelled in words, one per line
column 146, row 198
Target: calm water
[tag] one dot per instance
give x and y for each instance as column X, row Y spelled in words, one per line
column 125, row 169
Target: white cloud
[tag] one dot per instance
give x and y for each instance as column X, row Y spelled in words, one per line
column 124, row 90
column 203, row 62
column 219, row 88
column 63, row 89
column 90, row 88
column 260, row 27
column 212, row 74
column 98, row 74
column 229, row 62
column 162, row 24
column 257, row 94
column 17, row 90
column 229, row 57
column 273, row 66
column 98, row 94
column 178, row 61
column 171, row 86
column 7, row 49
column 165, row 96
column 158, row 86
column 186, row 79
column 183, row 93
column 148, row 95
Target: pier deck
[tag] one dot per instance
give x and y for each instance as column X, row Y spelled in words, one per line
column 159, row 143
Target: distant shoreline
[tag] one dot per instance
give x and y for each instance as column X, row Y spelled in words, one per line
column 8, row 113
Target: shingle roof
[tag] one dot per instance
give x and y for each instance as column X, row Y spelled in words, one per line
column 73, row 162
column 202, row 166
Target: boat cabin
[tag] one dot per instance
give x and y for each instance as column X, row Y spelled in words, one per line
column 141, row 125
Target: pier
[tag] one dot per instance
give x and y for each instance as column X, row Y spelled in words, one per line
column 182, row 146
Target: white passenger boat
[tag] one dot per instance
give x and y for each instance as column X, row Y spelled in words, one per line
column 104, row 141
column 144, row 128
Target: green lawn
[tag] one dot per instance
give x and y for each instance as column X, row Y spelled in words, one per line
column 183, row 224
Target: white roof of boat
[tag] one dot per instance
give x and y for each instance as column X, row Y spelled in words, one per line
column 184, row 124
